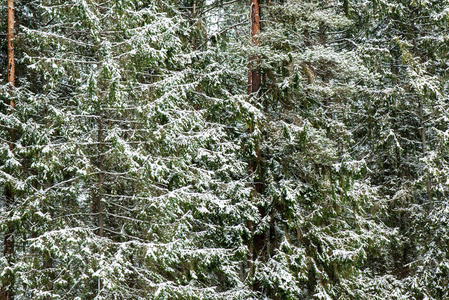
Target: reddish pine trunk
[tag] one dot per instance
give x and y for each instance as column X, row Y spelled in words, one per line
column 11, row 66
column 8, row 243
column 254, row 72
column 254, row 82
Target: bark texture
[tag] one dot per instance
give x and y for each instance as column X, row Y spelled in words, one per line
column 6, row 289
column 254, row 71
column 254, row 83
column 11, row 66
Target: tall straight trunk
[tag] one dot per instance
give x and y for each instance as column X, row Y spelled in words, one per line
column 6, row 292
column 11, row 66
column 424, row 151
column 254, row 71
column 254, row 82
column 98, row 203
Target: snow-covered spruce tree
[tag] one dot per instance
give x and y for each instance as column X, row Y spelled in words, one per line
column 311, row 210
column 16, row 131
column 143, row 169
column 220, row 73
column 6, row 287
column 123, row 165
column 403, row 135
column 319, row 178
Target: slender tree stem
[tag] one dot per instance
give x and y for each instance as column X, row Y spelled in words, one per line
column 254, row 71
column 424, row 150
column 11, row 65
column 253, row 86
column 9, row 243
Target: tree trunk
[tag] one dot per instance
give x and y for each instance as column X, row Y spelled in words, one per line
column 346, row 7
column 8, row 249
column 254, row 71
column 424, row 151
column 99, row 194
column 254, row 82
column 11, row 66
column 97, row 205
column 8, row 243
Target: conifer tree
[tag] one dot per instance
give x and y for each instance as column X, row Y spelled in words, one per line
column 295, row 137
column 401, row 135
column 109, row 171
column 6, row 289
column 193, row 149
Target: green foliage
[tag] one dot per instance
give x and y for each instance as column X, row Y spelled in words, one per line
column 142, row 169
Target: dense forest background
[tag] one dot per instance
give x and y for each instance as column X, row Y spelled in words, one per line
column 225, row 149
